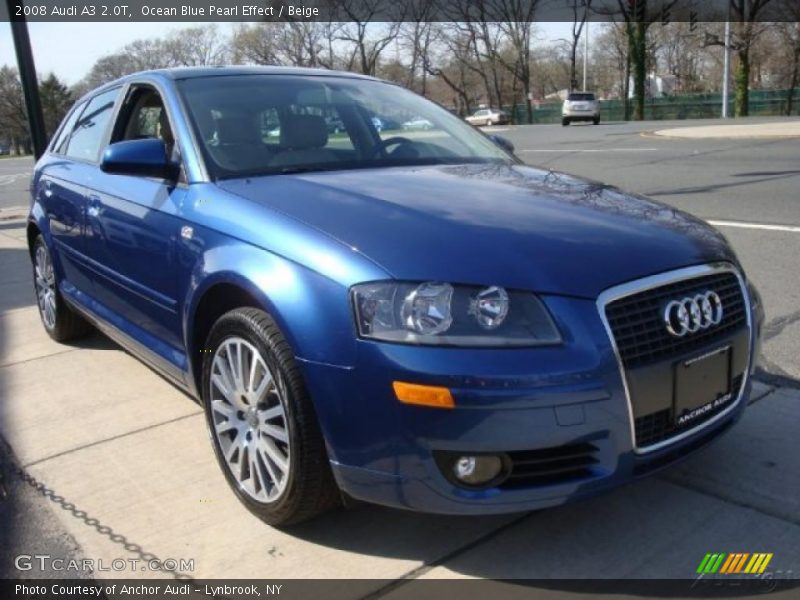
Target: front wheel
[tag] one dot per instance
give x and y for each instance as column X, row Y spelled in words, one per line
column 596, row 120
column 564, row 122
column 60, row 322
column 262, row 422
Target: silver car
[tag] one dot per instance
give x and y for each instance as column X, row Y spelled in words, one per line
column 580, row 106
column 487, row 116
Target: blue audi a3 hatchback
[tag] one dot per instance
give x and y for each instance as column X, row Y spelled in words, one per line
column 410, row 317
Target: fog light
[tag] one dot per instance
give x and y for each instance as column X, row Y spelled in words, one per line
column 477, row 470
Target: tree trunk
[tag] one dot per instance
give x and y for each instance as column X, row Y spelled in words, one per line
column 573, row 75
column 637, row 39
column 742, row 83
column 794, row 80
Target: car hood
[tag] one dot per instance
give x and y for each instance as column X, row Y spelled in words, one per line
column 514, row 226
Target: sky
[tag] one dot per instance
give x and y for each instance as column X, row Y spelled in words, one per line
column 70, row 49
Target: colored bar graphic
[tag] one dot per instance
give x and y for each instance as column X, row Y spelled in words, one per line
column 732, row 558
column 728, row 564
column 703, row 563
column 765, row 563
column 741, row 562
column 751, row 564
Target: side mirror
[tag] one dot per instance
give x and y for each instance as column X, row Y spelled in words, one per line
column 145, row 158
column 504, row 143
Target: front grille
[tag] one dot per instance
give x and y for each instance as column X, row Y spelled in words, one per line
column 659, row 426
column 638, row 327
column 550, row 465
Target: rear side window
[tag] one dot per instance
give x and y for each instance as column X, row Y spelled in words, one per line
column 581, row 97
column 90, row 129
column 60, row 145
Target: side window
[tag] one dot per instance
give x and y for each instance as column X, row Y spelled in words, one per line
column 60, row 145
column 90, row 130
column 144, row 116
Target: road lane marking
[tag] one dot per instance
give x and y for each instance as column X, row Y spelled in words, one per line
column 590, row 150
column 8, row 178
column 764, row 226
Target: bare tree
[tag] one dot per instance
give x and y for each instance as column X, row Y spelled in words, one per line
column 789, row 32
column 580, row 11
column 416, row 39
column 368, row 39
column 746, row 15
column 195, row 46
column 638, row 16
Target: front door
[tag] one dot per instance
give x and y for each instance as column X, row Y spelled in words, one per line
column 132, row 233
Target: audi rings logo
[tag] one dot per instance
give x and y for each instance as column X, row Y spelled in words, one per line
column 690, row 315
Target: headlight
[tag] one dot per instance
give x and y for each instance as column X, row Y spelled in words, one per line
column 441, row 314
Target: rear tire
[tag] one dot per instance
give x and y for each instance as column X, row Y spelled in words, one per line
column 262, row 422
column 60, row 322
column 596, row 120
column 564, row 122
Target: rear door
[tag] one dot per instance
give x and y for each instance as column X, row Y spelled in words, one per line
column 61, row 187
column 133, row 231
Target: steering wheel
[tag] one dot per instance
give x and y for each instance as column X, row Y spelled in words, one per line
column 384, row 144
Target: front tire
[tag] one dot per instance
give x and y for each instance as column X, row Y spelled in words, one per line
column 596, row 120
column 564, row 122
column 262, row 422
column 60, row 322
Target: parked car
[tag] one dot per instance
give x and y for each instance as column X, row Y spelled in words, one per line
column 417, row 123
column 580, row 106
column 427, row 324
column 488, row 117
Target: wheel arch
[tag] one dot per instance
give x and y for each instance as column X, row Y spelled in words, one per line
column 312, row 312
column 32, row 231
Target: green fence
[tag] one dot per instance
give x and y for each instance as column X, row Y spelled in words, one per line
column 687, row 106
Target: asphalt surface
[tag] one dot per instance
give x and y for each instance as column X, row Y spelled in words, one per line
column 15, row 176
column 748, row 183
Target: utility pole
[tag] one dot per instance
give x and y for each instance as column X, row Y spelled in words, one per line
column 585, row 50
column 726, row 68
column 27, row 75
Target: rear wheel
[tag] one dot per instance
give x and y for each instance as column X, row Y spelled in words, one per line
column 60, row 322
column 489, row 122
column 262, row 422
column 564, row 122
column 596, row 120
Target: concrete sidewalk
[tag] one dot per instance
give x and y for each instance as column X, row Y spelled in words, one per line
column 123, row 462
column 771, row 129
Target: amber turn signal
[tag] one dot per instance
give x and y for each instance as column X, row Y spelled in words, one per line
column 423, row 395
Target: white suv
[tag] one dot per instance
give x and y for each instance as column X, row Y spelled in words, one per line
column 580, row 106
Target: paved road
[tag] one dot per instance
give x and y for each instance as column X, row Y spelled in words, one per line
column 749, row 183
column 15, row 174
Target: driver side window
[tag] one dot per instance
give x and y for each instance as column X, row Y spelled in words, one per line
column 144, row 116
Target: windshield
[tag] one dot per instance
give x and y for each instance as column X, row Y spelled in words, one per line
column 580, row 97
column 272, row 124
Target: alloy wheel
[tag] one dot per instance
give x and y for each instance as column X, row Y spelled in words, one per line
column 45, row 283
column 248, row 412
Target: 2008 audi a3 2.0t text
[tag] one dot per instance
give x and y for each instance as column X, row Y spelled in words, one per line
column 411, row 318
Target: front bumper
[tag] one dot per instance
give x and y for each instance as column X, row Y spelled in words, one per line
column 507, row 401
